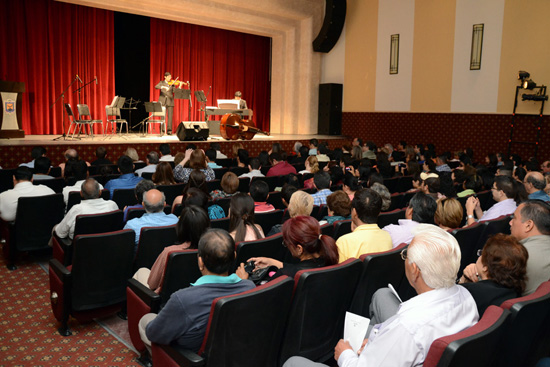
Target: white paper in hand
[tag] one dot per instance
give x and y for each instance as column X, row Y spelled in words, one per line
column 355, row 330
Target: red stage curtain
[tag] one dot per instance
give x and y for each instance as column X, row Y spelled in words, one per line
column 227, row 61
column 45, row 44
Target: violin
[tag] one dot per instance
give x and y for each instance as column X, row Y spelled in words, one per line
column 177, row 82
column 232, row 127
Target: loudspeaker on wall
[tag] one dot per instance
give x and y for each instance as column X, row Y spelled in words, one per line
column 335, row 16
column 330, row 109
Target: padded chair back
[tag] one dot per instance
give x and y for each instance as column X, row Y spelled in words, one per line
column 239, row 170
column 224, row 203
column 467, row 238
column 316, row 320
column 379, row 270
column 276, row 200
column 228, row 342
column 269, row 219
column 271, row 181
column 244, row 183
column 181, row 270
column 75, row 198
column 391, row 184
column 528, row 327
column 99, row 223
column 124, row 197
column 35, row 219
column 341, row 227
column 222, row 223
column 56, row 184
column 6, row 179
column 485, row 199
column 83, row 111
column 102, row 264
column 322, row 212
column 390, row 217
column 404, row 184
column 152, row 241
column 171, row 192
column 135, row 213
column 476, row 346
column 327, row 229
column 271, row 247
column 70, row 112
column 219, row 172
column 396, row 201
column 213, row 185
column 497, row 225
column 225, row 162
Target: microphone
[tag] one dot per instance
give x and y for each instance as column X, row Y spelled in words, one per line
column 77, row 77
column 96, row 83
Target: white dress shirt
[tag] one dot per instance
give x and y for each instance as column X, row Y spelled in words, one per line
column 253, row 173
column 76, row 187
column 9, row 199
column 504, row 207
column 65, row 228
column 402, row 232
column 148, row 168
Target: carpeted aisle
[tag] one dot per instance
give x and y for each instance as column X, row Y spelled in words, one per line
column 28, row 329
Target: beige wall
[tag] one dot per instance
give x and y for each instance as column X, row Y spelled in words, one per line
column 360, row 73
column 432, row 73
column 525, row 46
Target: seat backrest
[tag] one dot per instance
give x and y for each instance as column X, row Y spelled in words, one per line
column 327, row 229
column 246, row 329
column 83, row 110
column 76, row 198
column 528, row 327
column 70, row 112
column 341, row 227
column 226, row 162
column 99, row 223
column 268, row 219
column 271, row 181
column 396, row 201
column 213, row 185
column 171, row 191
column 404, row 184
column 222, row 223
column 152, row 241
column 390, row 217
column 219, row 172
column 135, row 213
column 35, row 218
column 244, row 183
column 124, row 197
column 276, row 200
column 271, row 247
column 476, row 346
column 322, row 212
column 494, row 226
column 467, row 239
column 239, row 170
column 102, row 265
column 56, row 184
column 391, row 184
column 181, row 270
column 316, row 320
column 379, row 270
column 6, row 179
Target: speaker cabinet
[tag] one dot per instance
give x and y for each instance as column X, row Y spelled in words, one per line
column 192, row 131
column 335, row 16
column 330, row 109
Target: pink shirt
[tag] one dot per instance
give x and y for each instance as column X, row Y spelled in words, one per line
column 156, row 278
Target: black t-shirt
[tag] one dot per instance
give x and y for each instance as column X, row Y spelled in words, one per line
column 488, row 292
column 290, row 269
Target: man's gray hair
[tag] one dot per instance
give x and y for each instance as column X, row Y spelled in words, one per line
column 153, row 157
column 537, row 180
column 437, row 254
column 90, row 189
column 154, row 207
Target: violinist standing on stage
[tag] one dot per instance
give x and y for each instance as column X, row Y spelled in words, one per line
column 166, row 98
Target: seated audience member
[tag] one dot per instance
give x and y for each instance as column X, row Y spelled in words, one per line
column 178, row 158
column 322, row 183
column 428, row 165
column 286, row 193
column 127, row 179
column 152, row 161
column 441, row 308
column 42, row 169
column 472, row 184
column 254, row 169
column 505, row 193
column 70, row 154
column 78, row 170
column 263, row 157
column 153, row 202
column 211, row 158
column 91, row 203
column 311, row 166
column 296, row 149
column 506, row 169
column 547, row 188
column 165, row 155
column 384, row 195
column 23, row 187
column 164, row 175
column 322, row 153
column 35, row 153
column 184, row 319
column 351, row 184
column 301, row 203
column 449, row 214
column 242, row 158
column 133, row 154
column 431, row 184
column 194, row 160
column 259, row 191
column 235, row 148
column 303, row 155
column 369, row 150
column 356, row 153
column 276, row 148
column 141, row 188
column 499, row 273
column 421, row 209
column 229, row 186
column 302, row 236
column 531, row 227
column 383, row 165
column 366, row 236
column 217, row 148
column 441, row 164
column 534, row 185
column 196, row 196
column 416, row 183
column 313, row 144
column 193, row 222
column 101, row 154
column 519, row 174
column 279, row 166
column 339, row 207
column 241, row 219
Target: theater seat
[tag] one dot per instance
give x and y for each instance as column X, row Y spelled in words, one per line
column 243, row 330
column 476, row 346
column 152, row 240
column 271, row 247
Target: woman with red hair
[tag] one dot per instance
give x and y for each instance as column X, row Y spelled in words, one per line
column 302, row 236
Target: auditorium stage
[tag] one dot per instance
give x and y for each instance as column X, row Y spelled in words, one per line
column 16, row 151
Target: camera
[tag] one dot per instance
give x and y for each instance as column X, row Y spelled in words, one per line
column 249, row 267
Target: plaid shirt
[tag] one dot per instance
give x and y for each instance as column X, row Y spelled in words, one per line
column 320, row 197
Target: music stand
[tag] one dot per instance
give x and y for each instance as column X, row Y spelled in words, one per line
column 151, row 108
column 131, row 104
column 184, row 94
column 201, row 98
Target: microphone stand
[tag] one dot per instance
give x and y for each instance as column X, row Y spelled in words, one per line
column 62, row 96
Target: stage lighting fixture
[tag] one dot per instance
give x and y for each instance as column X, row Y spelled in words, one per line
column 533, row 97
column 522, row 75
column 528, row 84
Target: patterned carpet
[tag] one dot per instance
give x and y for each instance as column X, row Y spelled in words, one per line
column 28, row 329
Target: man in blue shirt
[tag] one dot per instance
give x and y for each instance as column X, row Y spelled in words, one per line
column 153, row 202
column 127, row 179
column 535, row 183
column 321, row 181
